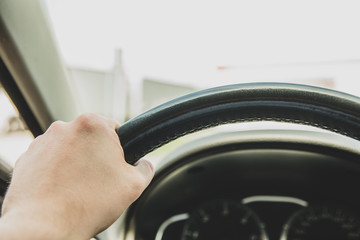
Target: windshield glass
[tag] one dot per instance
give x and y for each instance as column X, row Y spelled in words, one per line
column 14, row 135
column 138, row 54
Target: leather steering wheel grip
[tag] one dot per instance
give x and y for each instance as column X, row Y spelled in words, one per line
column 313, row 106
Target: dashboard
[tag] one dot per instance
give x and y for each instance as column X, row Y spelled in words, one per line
column 266, row 187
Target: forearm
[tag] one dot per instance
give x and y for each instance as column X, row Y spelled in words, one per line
column 38, row 222
column 29, row 225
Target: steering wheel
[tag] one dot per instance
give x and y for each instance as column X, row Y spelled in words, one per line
column 313, row 106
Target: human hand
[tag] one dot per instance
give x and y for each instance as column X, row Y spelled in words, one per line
column 72, row 182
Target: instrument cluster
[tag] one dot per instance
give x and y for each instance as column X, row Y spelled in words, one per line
column 262, row 218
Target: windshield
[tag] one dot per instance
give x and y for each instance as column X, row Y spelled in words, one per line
column 142, row 53
column 14, row 135
column 123, row 57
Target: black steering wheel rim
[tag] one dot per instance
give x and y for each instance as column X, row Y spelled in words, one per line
column 313, row 106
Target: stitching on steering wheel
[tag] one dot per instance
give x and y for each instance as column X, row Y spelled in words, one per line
column 214, row 124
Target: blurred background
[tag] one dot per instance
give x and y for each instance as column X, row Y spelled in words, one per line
column 123, row 57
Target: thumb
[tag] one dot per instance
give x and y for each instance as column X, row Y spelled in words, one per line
column 146, row 169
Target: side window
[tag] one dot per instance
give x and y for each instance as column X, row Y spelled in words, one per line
column 14, row 135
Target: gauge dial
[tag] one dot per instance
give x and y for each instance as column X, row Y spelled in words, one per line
column 322, row 223
column 225, row 220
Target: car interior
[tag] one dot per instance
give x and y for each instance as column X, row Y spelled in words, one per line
column 258, row 161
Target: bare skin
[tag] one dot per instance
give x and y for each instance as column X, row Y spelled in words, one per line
column 72, row 182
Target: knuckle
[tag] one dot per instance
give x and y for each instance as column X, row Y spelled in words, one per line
column 88, row 121
column 54, row 128
column 56, row 125
column 38, row 141
column 150, row 168
column 138, row 186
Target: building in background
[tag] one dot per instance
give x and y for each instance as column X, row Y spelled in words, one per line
column 103, row 92
column 156, row 92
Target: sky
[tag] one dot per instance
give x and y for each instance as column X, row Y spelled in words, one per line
column 189, row 39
